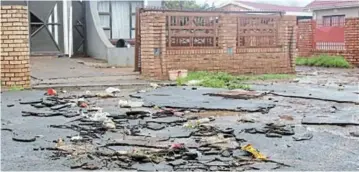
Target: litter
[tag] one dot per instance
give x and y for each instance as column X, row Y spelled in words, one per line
column 97, row 116
column 255, row 153
column 154, row 85
column 196, row 123
column 306, row 136
column 109, row 124
column 59, row 143
column 112, row 90
column 51, row 92
column 177, row 146
column 76, row 138
column 129, row 104
column 286, row 117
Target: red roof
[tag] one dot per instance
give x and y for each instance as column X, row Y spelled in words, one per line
column 332, row 3
column 271, row 7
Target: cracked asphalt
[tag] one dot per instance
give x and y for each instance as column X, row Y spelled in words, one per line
column 331, row 148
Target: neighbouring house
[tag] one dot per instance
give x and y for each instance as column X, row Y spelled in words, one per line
column 68, row 28
column 240, row 5
column 334, row 30
column 333, row 13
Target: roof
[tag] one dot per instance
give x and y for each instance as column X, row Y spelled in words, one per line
column 271, row 7
column 326, row 4
column 290, row 10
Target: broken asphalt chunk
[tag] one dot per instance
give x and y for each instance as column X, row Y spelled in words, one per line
column 238, row 94
column 31, row 101
column 61, row 106
column 155, row 126
column 354, row 134
column 305, row 136
column 24, row 139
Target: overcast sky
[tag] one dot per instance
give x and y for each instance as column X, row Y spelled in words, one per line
column 279, row 2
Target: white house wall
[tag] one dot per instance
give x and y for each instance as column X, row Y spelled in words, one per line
column 348, row 12
column 120, row 19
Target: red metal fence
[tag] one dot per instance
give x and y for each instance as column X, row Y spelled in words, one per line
column 329, row 34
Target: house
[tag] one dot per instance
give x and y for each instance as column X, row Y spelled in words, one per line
column 333, row 13
column 67, row 28
column 240, row 5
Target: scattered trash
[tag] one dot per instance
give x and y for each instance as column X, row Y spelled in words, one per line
column 59, row 143
column 177, row 146
column 88, row 92
column 51, row 92
column 354, row 134
column 154, row 85
column 112, row 90
column 305, row 136
column 98, row 116
column 286, row 117
column 129, row 104
column 254, row 152
column 109, row 124
column 76, row 138
column 196, row 123
column 63, row 91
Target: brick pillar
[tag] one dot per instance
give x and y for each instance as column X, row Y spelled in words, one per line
column 305, row 42
column 14, row 40
column 227, row 40
column 351, row 35
column 287, row 38
column 152, row 40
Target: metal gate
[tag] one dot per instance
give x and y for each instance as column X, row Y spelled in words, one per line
column 138, row 42
column 79, row 27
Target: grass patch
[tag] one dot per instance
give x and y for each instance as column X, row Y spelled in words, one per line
column 323, row 61
column 225, row 80
column 16, row 88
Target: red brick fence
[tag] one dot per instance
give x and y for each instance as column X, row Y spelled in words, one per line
column 234, row 42
column 317, row 37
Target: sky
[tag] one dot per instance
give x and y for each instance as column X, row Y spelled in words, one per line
column 278, row 2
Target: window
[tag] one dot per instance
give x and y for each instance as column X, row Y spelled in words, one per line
column 337, row 20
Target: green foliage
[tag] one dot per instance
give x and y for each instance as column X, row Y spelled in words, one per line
column 225, row 80
column 16, row 88
column 323, row 61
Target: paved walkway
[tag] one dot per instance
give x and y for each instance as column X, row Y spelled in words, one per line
column 79, row 72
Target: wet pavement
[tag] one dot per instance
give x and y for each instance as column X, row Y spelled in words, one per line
column 159, row 138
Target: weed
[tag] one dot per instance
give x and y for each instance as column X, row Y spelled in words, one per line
column 324, row 61
column 225, row 80
column 16, row 88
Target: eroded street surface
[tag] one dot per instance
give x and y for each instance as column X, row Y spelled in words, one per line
column 307, row 123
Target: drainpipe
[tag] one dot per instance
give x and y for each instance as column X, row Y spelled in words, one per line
column 65, row 27
column 70, row 32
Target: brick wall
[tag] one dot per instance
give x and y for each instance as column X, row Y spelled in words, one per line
column 14, row 48
column 306, row 29
column 305, row 38
column 258, row 60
